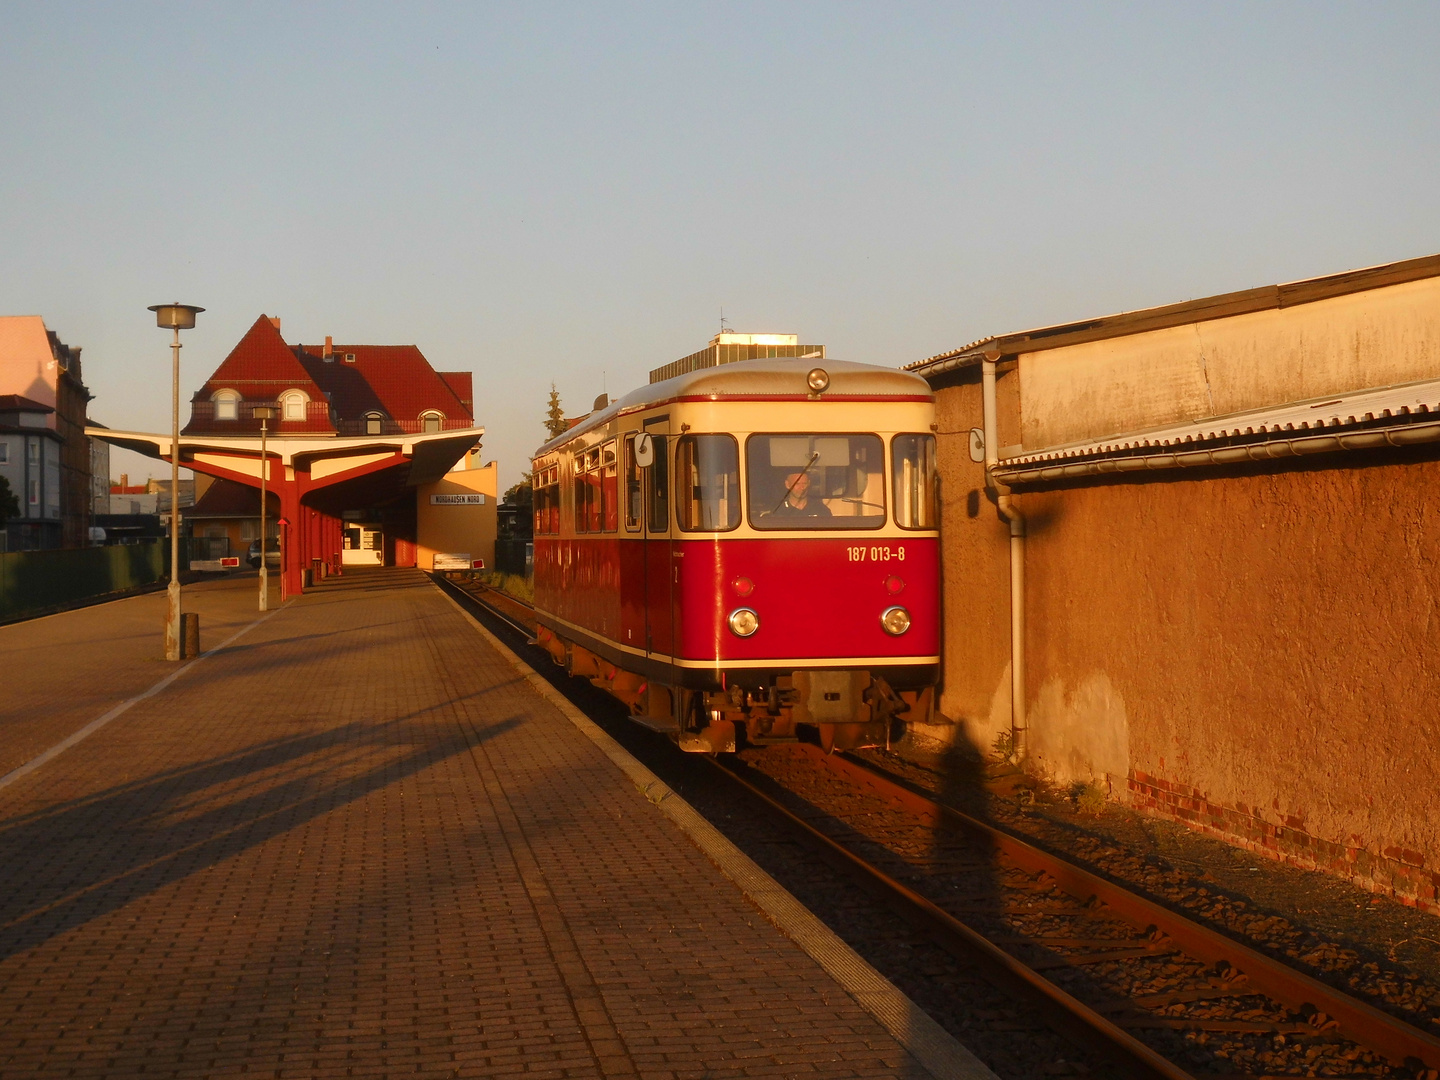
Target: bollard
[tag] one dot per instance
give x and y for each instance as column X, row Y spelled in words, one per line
column 189, row 635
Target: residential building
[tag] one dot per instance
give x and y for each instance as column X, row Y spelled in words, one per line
column 41, row 385
column 727, row 348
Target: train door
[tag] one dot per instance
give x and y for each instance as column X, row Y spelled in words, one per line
column 659, row 577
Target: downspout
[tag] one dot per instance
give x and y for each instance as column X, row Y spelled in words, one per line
column 1011, row 513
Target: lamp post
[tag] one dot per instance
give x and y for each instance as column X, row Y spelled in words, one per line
column 263, row 413
column 174, row 317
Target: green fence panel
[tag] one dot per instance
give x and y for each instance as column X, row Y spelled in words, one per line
column 32, row 581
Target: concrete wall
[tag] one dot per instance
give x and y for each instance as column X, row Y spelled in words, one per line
column 456, row 529
column 1365, row 339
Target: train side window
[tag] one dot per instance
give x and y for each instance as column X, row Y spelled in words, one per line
column 915, row 477
column 575, row 520
column 707, row 479
column 660, row 487
column 609, row 493
column 546, row 499
column 634, row 491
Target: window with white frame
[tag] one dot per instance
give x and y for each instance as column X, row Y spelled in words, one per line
column 292, row 405
column 431, row 421
column 373, row 422
column 227, row 404
column 4, row 452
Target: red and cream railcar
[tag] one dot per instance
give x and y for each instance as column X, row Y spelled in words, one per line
column 748, row 549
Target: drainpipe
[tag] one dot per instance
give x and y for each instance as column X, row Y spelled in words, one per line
column 1011, row 513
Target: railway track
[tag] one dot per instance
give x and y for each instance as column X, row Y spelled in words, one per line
column 1141, row 988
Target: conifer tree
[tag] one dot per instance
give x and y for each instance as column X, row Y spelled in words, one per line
column 555, row 419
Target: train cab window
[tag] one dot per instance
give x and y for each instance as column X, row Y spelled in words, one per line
column 707, row 483
column 915, row 477
column 815, row 481
column 634, row 489
column 659, row 509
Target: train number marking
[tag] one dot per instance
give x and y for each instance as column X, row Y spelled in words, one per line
column 876, row 553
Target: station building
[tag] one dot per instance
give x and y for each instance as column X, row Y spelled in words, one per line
column 1227, row 608
column 372, row 458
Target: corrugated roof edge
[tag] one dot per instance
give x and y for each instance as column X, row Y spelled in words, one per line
column 1401, row 414
column 1289, row 294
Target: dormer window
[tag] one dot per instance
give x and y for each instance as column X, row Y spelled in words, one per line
column 431, row 421
column 373, row 420
column 292, row 405
column 227, row 404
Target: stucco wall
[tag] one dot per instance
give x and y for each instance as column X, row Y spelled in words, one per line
column 1124, row 384
column 457, row 529
column 1253, row 653
column 975, row 673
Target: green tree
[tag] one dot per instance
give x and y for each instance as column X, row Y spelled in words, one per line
column 9, row 504
column 555, row 419
column 522, row 494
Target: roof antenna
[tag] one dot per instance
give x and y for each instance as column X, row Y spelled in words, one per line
column 724, row 324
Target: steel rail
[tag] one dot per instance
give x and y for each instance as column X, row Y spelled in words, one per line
column 1360, row 1022
column 1074, row 1018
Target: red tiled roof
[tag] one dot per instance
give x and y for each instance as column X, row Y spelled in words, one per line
column 20, row 403
column 227, row 498
column 260, row 367
column 395, row 379
column 462, row 383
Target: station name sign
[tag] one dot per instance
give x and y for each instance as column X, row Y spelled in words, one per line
column 457, row 500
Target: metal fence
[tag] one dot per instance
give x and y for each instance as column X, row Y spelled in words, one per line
column 36, row 581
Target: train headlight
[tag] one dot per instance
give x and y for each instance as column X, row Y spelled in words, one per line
column 744, row 622
column 817, row 379
column 895, row 620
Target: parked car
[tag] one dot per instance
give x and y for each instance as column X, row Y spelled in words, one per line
column 272, row 554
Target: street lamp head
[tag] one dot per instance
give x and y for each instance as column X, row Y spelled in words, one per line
column 175, row 316
column 264, row 412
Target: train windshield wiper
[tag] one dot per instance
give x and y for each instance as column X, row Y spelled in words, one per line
column 808, row 466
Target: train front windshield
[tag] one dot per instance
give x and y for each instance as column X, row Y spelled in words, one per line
column 815, row 481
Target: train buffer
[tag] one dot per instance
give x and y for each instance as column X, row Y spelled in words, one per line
column 354, row 837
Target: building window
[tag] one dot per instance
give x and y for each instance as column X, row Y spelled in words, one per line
column 34, row 492
column 372, row 423
column 227, row 405
column 432, row 421
column 292, row 404
column 4, row 451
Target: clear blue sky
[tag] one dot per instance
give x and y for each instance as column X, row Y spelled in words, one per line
column 541, row 192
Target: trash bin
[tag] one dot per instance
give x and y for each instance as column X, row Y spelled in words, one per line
column 189, row 635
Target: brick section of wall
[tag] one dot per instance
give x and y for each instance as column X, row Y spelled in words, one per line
column 1398, row 873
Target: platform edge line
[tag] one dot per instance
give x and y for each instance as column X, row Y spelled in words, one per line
column 917, row 1032
column 81, row 734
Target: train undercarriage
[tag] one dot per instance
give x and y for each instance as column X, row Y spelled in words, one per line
column 844, row 709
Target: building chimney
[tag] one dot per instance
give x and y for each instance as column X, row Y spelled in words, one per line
column 329, row 347
column 275, row 321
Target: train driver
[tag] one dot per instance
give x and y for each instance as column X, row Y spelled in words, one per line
column 797, row 501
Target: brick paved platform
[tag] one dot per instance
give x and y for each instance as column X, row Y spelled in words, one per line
column 357, row 842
